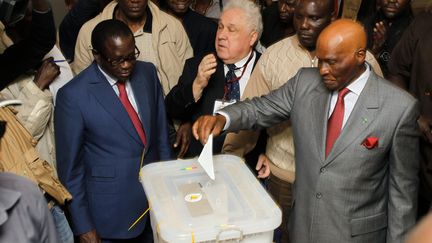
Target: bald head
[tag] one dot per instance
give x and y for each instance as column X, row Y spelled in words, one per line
column 341, row 52
column 344, row 34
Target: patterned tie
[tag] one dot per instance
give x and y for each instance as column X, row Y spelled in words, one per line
column 131, row 111
column 232, row 83
column 334, row 125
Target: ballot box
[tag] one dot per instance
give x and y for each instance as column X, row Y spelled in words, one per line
column 187, row 206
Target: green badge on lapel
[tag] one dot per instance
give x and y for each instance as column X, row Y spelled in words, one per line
column 364, row 120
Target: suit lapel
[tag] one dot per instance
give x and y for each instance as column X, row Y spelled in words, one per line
column 320, row 97
column 219, row 79
column 363, row 114
column 140, row 89
column 107, row 98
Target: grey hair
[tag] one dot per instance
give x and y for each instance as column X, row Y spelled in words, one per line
column 252, row 12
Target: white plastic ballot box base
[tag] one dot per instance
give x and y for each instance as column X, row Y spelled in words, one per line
column 187, row 206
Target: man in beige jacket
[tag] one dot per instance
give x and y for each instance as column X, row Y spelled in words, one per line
column 151, row 28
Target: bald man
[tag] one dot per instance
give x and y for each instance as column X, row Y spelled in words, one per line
column 355, row 143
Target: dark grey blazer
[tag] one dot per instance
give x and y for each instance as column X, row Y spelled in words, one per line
column 356, row 194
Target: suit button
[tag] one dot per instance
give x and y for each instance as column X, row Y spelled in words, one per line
column 322, row 170
column 318, row 195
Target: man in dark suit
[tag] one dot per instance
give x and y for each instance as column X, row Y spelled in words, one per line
column 207, row 80
column 110, row 121
column 410, row 69
column 356, row 143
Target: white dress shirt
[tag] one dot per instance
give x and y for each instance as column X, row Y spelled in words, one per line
column 113, row 82
column 351, row 97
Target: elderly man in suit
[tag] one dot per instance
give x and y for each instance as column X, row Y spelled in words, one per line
column 356, row 143
column 208, row 79
column 110, row 121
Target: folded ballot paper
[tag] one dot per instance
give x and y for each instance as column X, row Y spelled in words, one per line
column 206, row 158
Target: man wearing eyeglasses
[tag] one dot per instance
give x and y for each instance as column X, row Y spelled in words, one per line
column 110, row 121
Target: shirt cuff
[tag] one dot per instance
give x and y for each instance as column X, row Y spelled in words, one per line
column 227, row 122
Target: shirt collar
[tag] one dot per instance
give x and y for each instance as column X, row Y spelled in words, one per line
column 111, row 80
column 243, row 61
column 357, row 85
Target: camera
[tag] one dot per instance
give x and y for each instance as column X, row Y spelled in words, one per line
column 12, row 11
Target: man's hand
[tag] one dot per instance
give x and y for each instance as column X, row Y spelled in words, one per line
column 263, row 166
column 183, row 136
column 206, row 68
column 206, row 125
column 46, row 73
column 379, row 37
column 425, row 128
column 89, row 237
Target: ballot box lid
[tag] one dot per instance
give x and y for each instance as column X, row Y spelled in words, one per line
column 188, row 206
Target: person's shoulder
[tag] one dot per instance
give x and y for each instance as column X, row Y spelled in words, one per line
column 18, row 183
column 202, row 20
column 163, row 19
column 308, row 76
column 281, row 46
column 195, row 60
column 391, row 91
column 424, row 18
column 143, row 66
column 309, row 72
column 106, row 13
column 77, row 83
column 422, row 23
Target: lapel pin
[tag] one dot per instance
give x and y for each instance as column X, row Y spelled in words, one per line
column 364, row 120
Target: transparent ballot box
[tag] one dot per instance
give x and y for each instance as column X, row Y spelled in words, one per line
column 188, row 206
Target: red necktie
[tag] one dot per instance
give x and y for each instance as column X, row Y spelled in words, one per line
column 334, row 125
column 131, row 111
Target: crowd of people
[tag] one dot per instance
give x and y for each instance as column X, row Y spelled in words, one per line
column 329, row 101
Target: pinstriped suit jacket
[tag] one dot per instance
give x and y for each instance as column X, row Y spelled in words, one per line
column 355, row 194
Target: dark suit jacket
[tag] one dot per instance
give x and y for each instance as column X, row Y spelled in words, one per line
column 99, row 150
column 29, row 52
column 356, row 194
column 201, row 32
column 180, row 103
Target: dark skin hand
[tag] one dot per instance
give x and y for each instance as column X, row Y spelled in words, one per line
column 46, row 73
column 183, row 137
column 379, row 37
column 206, row 125
column 90, row 237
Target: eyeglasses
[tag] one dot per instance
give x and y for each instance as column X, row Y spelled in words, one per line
column 117, row 61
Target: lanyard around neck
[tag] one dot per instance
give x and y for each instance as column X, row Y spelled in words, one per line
column 243, row 71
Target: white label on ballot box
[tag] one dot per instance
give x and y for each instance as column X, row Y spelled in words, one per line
column 220, row 104
column 196, row 199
